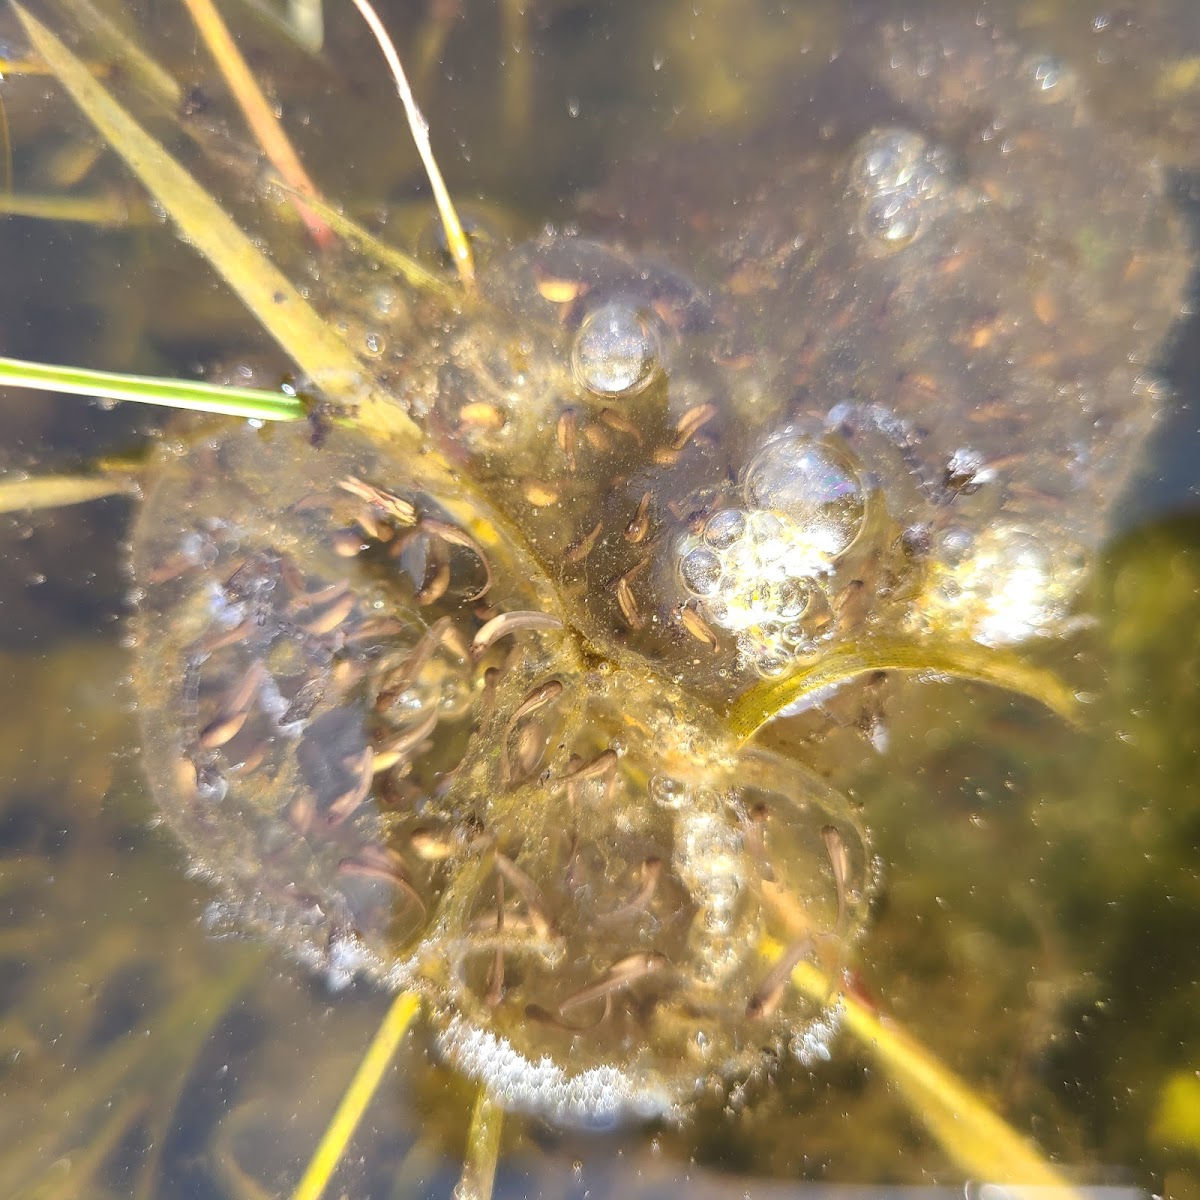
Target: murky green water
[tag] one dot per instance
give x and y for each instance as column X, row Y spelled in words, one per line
column 1035, row 921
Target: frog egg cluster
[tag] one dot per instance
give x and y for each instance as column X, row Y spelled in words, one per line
column 759, row 569
column 902, row 180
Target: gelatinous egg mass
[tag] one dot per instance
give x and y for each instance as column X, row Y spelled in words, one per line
column 616, row 351
column 454, row 727
column 397, row 765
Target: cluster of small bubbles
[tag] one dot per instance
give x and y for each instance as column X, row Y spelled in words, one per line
column 710, row 850
column 595, row 1099
column 616, row 352
column 757, row 571
column 810, row 1045
column 999, row 586
column 710, row 861
column 768, row 658
column 456, row 695
column 899, row 176
column 384, row 300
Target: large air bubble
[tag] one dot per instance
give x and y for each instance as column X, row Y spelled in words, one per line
column 617, row 352
column 813, row 487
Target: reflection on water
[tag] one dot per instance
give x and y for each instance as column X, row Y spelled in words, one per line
column 1036, row 910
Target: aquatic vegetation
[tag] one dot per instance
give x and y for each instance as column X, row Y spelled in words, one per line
column 450, row 686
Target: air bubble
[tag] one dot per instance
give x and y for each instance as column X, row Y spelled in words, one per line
column 893, row 220
column 668, row 791
column 724, row 528
column 813, row 486
column 887, row 159
column 616, row 351
column 764, row 529
column 795, row 636
column 211, row 786
column 701, row 571
column 967, row 471
column 771, row 663
column 794, row 595
column 956, row 544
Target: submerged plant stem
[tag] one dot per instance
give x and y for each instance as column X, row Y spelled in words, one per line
column 407, row 267
column 251, row 403
column 133, row 1067
column 972, row 1135
column 483, row 1150
column 117, row 45
column 358, row 1095
column 58, row 491
column 262, row 121
column 107, row 208
column 456, row 238
column 761, row 703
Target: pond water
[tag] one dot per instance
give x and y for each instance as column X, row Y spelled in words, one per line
column 1033, row 920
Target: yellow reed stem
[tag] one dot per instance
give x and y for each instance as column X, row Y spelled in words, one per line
column 407, row 267
column 432, row 37
column 107, row 208
column 518, row 70
column 118, row 47
column 483, row 1150
column 762, row 702
column 456, row 238
column 978, row 1140
column 315, row 347
column 358, row 1096
column 259, row 116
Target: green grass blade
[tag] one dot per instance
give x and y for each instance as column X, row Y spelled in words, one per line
column 250, row 403
column 313, row 345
